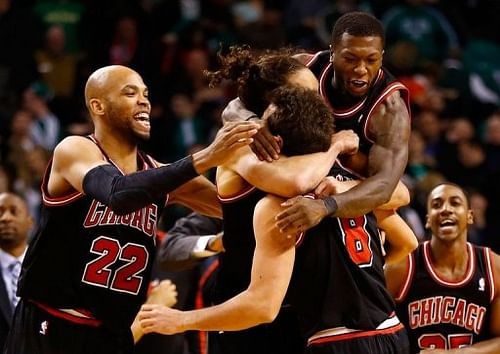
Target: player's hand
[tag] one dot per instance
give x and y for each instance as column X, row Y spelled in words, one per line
column 160, row 319
column 266, row 146
column 329, row 186
column 347, row 141
column 300, row 214
column 229, row 138
column 163, row 293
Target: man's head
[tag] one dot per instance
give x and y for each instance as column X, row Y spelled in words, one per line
column 448, row 212
column 258, row 75
column 117, row 100
column 356, row 51
column 300, row 117
column 15, row 221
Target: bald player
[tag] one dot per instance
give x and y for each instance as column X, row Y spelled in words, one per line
column 87, row 270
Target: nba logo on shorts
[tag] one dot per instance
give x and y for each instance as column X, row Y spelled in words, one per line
column 44, row 326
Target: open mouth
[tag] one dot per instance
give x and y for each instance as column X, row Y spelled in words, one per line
column 358, row 85
column 143, row 118
column 447, row 224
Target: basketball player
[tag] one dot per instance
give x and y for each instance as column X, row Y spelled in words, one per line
column 87, row 270
column 447, row 291
column 337, row 288
column 364, row 97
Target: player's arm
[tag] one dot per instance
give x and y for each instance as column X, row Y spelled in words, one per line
column 260, row 303
column 395, row 276
column 399, row 236
column 200, row 195
column 390, row 129
column 163, row 293
column 290, row 176
column 330, row 186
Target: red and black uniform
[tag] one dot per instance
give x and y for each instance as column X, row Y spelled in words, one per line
column 233, row 277
column 357, row 116
column 85, row 275
column 440, row 313
column 338, row 288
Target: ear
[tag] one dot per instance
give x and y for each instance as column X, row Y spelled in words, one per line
column 96, row 106
column 279, row 140
column 332, row 55
column 427, row 222
column 470, row 217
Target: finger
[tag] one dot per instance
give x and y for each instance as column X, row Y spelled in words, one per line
column 261, row 151
column 269, row 144
column 256, row 152
column 290, row 201
column 285, row 222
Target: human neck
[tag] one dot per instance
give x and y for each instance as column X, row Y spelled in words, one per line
column 450, row 258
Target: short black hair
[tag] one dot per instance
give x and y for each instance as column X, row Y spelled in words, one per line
column 302, row 119
column 359, row 24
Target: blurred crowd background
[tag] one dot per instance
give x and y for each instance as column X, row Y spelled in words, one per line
column 446, row 51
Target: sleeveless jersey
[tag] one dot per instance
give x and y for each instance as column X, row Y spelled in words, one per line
column 338, row 278
column 357, row 117
column 86, row 259
column 235, row 264
column 446, row 314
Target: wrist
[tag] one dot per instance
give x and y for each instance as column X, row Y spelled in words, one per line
column 201, row 161
column 330, row 205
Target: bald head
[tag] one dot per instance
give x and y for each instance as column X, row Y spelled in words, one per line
column 102, row 79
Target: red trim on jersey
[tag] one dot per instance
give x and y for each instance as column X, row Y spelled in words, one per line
column 59, row 201
column 395, row 86
column 68, row 317
column 354, row 335
column 471, row 267
column 347, row 169
column 410, row 272
column 322, row 89
column 313, row 59
column 237, row 196
column 490, row 272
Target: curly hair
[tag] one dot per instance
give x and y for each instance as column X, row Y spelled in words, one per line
column 255, row 76
column 359, row 24
column 301, row 119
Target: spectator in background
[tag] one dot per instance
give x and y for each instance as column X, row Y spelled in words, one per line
column 59, row 71
column 477, row 231
column 492, row 141
column 15, row 226
column 45, row 129
column 424, row 26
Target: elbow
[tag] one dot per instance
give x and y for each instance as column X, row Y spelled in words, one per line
column 267, row 312
column 382, row 193
column 302, row 185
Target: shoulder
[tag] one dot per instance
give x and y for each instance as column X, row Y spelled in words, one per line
column 75, row 148
column 495, row 261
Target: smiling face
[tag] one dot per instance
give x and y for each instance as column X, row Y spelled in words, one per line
column 448, row 213
column 356, row 61
column 118, row 97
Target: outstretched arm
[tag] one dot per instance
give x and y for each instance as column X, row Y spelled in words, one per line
column 290, row 176
column 259, row 303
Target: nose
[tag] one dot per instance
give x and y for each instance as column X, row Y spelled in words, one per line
column 446, row 209
column 6, row 216
column 360, row 69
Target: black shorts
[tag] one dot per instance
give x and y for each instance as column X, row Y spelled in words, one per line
column 34, row 330
column 394, row 343
column 279, row 337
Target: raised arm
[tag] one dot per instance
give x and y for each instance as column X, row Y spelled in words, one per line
column 390, row 129
column 260, row 303
column 293, row 175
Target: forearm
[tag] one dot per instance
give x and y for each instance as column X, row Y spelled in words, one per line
column 241, row 312
column 136, row 329
column 400, row 197
column 127, row 193
column 491, row 346
column 200, row 195
column 289, row 176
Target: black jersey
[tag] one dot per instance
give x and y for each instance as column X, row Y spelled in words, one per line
column 446, row 314
column 87, row 261
column 358, row 116
column 235, row 264
column 338, row 278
